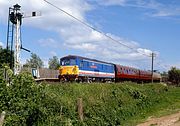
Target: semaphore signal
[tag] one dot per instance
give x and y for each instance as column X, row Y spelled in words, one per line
column 14, row 35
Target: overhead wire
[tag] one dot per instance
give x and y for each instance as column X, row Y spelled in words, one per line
column 95, row 29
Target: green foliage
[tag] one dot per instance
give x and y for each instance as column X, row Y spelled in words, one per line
column 174, row 76
column 5, row 57
column 54, row 63
column 34, row 62
column 112, row 104
column 28, row 103
column 25, row 102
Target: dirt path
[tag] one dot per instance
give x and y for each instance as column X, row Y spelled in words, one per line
column 169, row 120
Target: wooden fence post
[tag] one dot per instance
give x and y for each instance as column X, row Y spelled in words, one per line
column 80, row 108
column 2, row 116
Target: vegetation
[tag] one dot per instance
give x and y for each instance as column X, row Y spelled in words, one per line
column 34, row 62
column 25, row 102
column 53, row 63
column 174, row 76
column 28, row 103
column 115, row 104
column 5, row 57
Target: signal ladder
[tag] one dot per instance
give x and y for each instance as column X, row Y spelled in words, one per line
column 10, row 36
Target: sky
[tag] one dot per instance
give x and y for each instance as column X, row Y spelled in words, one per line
column 145, row 25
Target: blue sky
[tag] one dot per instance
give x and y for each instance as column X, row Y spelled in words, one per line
column 145, row 25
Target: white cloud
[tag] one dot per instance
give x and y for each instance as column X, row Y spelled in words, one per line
column 112, row 2
column 175, row 65
column 53, row 53
column 144, row 51
column 75, row 35
column 49, row 42
column 1, row 44
column 45, row 62
column 155, row 8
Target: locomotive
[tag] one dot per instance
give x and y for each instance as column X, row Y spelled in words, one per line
column 82, row 69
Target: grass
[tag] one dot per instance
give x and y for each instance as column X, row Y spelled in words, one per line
column 113, row 104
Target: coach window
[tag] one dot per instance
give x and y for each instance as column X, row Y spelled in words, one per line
column 120, row 70
column 130, row 71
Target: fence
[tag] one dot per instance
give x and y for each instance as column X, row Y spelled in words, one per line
column 44, row 72
column 48, row 73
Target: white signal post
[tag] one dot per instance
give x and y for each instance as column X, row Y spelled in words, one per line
column 17, row 59
column 16, row 19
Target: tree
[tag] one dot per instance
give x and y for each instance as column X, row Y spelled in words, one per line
column 34, row 62
column 5, row 57
column 54, row 63
column 164, row 76
column 174, row 76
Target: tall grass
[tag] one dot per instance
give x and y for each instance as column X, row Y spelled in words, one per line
column 112, row 104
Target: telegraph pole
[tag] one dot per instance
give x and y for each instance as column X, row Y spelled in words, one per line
column 152, row 65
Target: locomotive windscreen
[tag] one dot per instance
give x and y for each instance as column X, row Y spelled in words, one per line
column 67, row 62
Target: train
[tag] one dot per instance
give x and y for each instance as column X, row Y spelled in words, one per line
column 82, row 69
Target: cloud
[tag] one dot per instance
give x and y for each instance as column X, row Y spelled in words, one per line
column 75, row 35
column 112, row 2
column 53, row 53
column 94, row 42
column 161, row 10
column 45, row 62
column 1, row 44
column 144, row 51
column 154, row 8
column 49, row 42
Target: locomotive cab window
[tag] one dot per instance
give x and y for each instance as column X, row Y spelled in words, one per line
column 67, row 62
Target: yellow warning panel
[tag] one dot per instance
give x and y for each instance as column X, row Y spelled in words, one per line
column 69, row 70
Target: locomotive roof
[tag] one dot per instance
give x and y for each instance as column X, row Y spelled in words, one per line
column 74, row 56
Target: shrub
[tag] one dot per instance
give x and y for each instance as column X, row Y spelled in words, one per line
column 25, row 102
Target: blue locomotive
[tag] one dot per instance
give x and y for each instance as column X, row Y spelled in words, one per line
column 85, row 69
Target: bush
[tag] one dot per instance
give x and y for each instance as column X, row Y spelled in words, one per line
column 28, row 103
column 25, row 102
column 174, row 76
